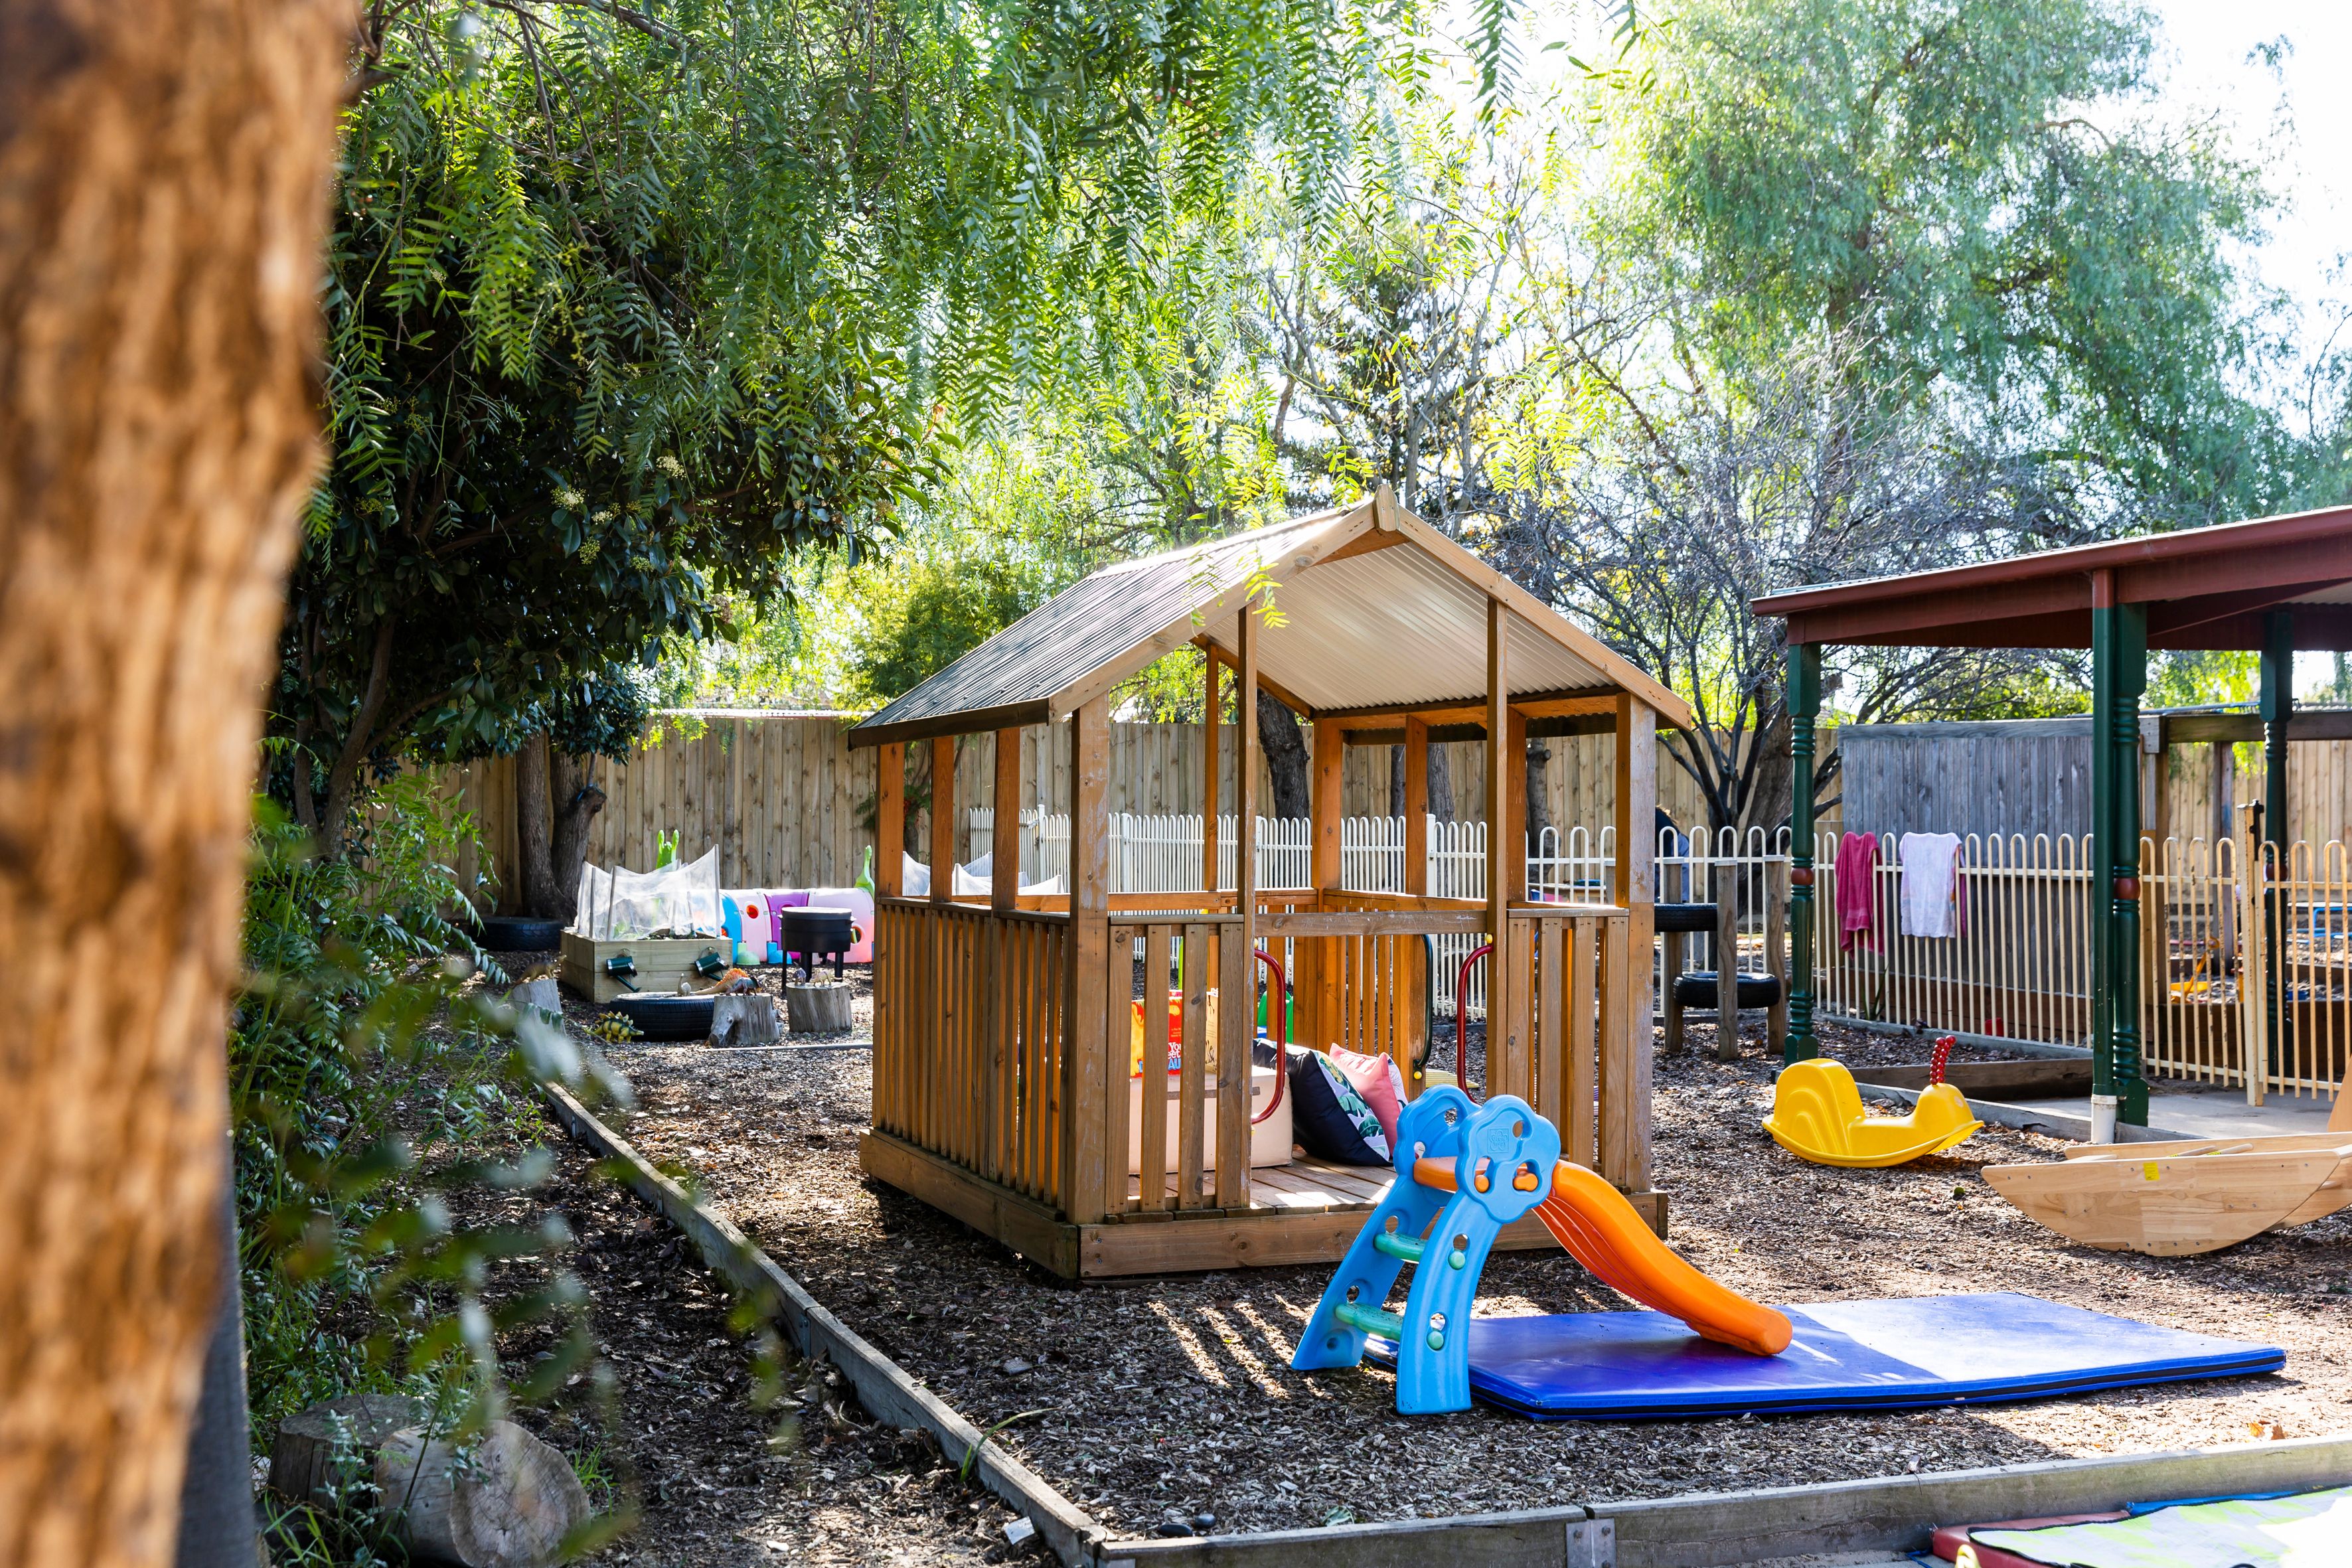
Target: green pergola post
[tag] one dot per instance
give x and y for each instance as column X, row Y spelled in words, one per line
column 2277, row 704
column 1804, row 697
column 2118, row 679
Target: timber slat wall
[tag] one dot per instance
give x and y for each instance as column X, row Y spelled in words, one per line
column 972, row 1042
column 968, row 1039
column 1995, row 778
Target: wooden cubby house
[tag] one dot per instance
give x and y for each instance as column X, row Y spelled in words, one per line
column 1004, row 1026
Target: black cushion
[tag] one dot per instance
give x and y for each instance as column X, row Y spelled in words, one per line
column 1699, row 990
column 1318, row 1123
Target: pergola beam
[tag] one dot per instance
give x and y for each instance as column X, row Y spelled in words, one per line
column 1551, row 704
column 1265, row 683
column 1537, row 729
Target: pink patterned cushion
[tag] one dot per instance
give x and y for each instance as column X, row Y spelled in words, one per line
column 1376, row 1081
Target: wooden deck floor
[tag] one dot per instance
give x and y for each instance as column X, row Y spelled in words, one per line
column 1307, row 1212
column 1303, row 1186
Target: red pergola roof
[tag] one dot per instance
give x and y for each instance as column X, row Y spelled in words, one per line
column 2204, row 587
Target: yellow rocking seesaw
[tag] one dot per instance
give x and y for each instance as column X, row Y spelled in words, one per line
column 1817, row 1115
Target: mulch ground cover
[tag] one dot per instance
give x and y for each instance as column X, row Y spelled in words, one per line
column 722, row 1472
column 1166, row 1405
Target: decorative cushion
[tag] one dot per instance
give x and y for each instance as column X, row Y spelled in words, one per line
column 1377, row 1082
column 1328, row 1118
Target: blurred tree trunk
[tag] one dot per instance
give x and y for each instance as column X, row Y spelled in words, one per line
column 577, row 800
column 1539, row 763
column 534, row 832
column 1441, row 784
column 1279, row 738
column 556, row 801
column 162, row 194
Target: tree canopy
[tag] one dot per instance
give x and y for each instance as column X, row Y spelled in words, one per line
column 1984, row 200
column 627, row 305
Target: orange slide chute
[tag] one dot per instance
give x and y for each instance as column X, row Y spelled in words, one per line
column 1603, row 1232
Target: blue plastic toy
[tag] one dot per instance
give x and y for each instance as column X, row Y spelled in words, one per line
column 1503, row 1155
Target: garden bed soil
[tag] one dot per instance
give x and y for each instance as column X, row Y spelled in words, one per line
column 1167, row 1406
column 721, row 1481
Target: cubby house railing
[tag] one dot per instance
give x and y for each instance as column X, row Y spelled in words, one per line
column 973, row 1058
column 968, row 1038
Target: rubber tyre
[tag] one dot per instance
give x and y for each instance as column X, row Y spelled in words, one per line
column 666, row 1017
column 520, row 934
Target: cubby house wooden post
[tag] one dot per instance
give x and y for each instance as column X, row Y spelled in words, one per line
column 1625, row 1052
column 1086, row 1065
column 1003, row 1092
column 1237, row 968
column 1503, row 870
column 943, row 831
column 1004, row 839
column 1322, row 1006
column 1419, row 967
column 1211, row 741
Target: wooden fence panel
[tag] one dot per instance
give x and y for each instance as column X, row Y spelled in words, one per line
column 789, row 805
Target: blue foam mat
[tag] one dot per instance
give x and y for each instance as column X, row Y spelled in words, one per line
column 1884, row 1355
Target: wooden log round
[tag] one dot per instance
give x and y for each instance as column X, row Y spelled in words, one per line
column 542, row 993
column 744, row 1020
column 312, row 1444
column 504, row 1500
column 818, row 1009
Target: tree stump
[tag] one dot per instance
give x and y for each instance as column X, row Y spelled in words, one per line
column 744, row 1020
column 818, row 1009
column 542, row 993
column 304, row 1456
column 508, row 1503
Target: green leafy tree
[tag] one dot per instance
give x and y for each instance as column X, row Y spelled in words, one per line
column 627, row 305
column 1982, row 199
column 930, row 612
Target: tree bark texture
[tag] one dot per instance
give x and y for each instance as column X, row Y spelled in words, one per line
column 1286, row 756
column 577, row 800
column 556, row 799
column 534, row 834
column 1396, row 781
column 1539, row 763
column 163, row 176
column 1441, row 785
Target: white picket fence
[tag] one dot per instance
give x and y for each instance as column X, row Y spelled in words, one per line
column 1705, row 867
column 1162, row 854
column 1153, row 854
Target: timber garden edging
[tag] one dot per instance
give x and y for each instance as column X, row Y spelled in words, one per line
column 1698, row 1530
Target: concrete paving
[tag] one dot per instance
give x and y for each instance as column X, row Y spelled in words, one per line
column 2174, row 1112
column 2183, row 1112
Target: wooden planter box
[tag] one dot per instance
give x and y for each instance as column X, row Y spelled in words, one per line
column 660, row 964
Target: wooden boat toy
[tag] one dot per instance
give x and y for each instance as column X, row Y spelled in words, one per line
column 2173, row 1199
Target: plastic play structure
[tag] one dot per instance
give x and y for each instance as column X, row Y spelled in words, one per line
column 1466, row 1172
column 1817, row 1115
column 1472, row 1170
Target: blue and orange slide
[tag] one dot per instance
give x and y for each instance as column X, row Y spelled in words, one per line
column 1465, row 1171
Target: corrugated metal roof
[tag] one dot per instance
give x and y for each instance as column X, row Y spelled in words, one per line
column 1403, row 623
column 1399, row 625
column 2206, row 588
